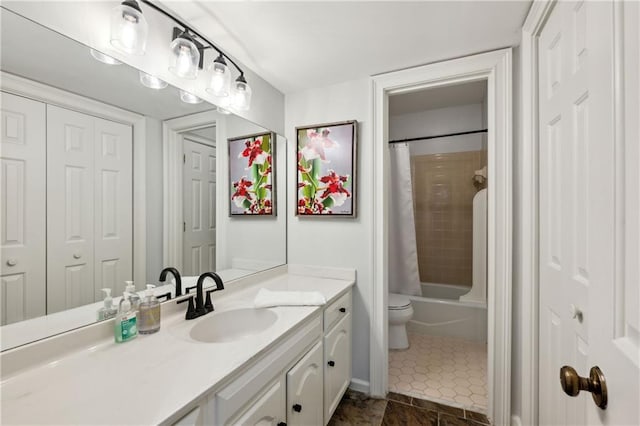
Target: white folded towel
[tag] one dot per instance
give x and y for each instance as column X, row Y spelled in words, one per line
column 267, row 298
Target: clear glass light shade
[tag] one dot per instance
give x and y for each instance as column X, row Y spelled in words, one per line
column 105, row 59
column 129, row 30
column 241, row 96
column 220, row 83
column 151, row 81
column 186, row 58
column 188, row 98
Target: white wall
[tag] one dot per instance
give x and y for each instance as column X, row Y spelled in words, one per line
column 89, row 23
column 259, row 238
column 440, row 121
column 154, row 200
column 337, row 242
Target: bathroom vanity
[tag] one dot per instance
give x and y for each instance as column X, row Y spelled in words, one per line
column 293, row 370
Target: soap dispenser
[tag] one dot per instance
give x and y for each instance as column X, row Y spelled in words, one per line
column 108, row 310
column 126, row 327
column 149, row 312
column 133, row 296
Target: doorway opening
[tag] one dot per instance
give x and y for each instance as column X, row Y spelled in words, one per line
column 494, row 68
column 438, row 244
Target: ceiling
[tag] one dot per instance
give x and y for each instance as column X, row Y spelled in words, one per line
column 439, row 97
column 306, row 44
column 66, row 64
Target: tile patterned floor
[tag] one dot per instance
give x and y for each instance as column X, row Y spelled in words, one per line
column 443, row 369
column 400, row 410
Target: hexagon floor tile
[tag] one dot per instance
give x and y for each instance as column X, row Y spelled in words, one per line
column 442, row 369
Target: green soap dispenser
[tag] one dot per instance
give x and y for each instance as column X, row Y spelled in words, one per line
column 149, row 312
column 126, row 327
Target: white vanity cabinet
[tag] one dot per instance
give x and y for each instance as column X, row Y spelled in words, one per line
column 337, row 353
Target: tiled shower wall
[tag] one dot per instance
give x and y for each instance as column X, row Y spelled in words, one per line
column 443, row 201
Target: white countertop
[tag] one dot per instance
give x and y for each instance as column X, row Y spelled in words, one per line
column 147, row 380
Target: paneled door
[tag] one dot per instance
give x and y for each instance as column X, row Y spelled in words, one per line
column 588, row 301
column 199, row 207
column 70, row 209
column 113, row 222
column 23, row 233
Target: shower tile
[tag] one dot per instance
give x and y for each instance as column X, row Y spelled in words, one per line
column 442, row 369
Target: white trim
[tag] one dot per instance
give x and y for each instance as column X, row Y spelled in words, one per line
column 34, row 90
column 495, row 67
column 359, row 386
column 528, row 230
column 172, row 151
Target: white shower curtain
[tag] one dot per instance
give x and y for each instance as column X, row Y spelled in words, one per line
column 403, row 253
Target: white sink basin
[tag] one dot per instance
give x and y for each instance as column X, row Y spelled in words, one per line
column 232, row 325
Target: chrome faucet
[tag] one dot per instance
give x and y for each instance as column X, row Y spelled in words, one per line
column 201, row 307
column 176, row 276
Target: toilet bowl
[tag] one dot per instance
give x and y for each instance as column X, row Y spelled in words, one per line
column 400, row 312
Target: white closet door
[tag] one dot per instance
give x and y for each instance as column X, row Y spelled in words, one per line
column 113, row 206
column 70, row 209
column 22, row 189
column 199, row 192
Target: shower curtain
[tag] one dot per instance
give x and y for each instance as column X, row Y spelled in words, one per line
column 403, row 253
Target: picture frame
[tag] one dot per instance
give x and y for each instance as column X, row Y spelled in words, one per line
column 251, row 175
column 326, row 158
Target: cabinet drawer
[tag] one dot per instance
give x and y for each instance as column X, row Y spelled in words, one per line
column 337, row 310
column 337, row 365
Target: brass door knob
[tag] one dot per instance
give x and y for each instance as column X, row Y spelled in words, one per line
column 572, row 384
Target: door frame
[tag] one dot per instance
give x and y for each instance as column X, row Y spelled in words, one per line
column 495, row 68
column 172, row 152
column 53, row 96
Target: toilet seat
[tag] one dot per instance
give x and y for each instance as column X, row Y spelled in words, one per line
column 398, row 301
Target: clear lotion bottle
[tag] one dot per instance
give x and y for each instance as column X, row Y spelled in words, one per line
column 149, row 312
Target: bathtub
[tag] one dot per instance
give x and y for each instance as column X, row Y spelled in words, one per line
column 439, row 312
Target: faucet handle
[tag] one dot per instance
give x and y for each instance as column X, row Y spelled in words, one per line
column 188, row 289
column 162, row 296
column 208, row 305
column 191, row 310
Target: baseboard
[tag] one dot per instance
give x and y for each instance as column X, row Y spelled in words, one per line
column 360, row 386
column 515, row 421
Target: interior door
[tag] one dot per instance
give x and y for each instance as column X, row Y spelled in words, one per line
column 70, row 209
column 23, row 220
column 199, row 204
column 585, row 320
column 113, row 170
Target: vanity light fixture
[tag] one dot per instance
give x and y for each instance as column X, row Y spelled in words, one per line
column 151, row 81
column 189, row 98
column 241, row 94
column 220, row 78
column 186, row 56
column 129, row 28
column 105, row 59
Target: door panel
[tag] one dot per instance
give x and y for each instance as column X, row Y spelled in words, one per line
column 113, row 207
column 23, row 222
column 304, row 389
column 199, row 207
column 70, row 218
column 581, row 224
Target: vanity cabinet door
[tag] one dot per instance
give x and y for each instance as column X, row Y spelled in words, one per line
column 267, row 409
column 337, row 365
column 304, row 389
column 195, row 417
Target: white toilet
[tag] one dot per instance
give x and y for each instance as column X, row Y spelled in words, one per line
column 400, row 312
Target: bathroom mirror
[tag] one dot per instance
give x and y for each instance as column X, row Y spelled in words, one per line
column 106, row 180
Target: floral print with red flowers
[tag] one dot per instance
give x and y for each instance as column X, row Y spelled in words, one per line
column 252, row 194
column 320, row 188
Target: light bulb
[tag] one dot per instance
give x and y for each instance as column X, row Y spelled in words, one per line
column 129, row 28
column 187, row 56
column 188, row 98
column 151, row 81
column 241, row 94
column 220, row 78
column 105, row 59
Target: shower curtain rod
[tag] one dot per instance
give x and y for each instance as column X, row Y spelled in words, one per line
column 439, row 136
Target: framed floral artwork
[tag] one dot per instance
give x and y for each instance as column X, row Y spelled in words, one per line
column 251, row 175
column 326, row 164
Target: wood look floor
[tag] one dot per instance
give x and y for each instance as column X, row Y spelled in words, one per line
column 358, row 409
